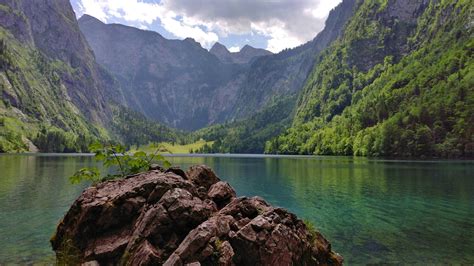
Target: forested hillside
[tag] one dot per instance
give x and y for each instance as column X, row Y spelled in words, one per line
column 52, row 90
column 54, row 96
column 400, row 82
column 249, row 135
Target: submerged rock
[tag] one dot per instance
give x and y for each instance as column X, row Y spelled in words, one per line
column 177, row 218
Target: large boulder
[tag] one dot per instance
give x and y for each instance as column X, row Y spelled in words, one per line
column 173, row 218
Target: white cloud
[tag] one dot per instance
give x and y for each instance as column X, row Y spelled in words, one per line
column 92, row 8
column 286, row 23
column 184, row 30
column 130, row 10
column 279, row 38
column 234, row 49
column 323, row 8
column 145, row 14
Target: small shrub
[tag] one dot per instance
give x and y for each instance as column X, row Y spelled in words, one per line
column 115, row 157
column 311, row 229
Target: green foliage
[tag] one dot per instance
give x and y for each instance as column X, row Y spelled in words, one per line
column 57, row 140
column 176, row 148
column 134, row 128
column 418, row 105
column 122, row 164
column 34, row 92
column 311, row 229
column 69, row 254
column 11, row 138
column 248, row 135
column 86, row 174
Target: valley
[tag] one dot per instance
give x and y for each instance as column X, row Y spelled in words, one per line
column 378, row 67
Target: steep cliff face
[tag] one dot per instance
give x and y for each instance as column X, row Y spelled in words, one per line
column 50, row 28
column 284, row 74
column 397, row 83
column 377, row 30
column 167, row 80
column 48, row 75
column 183, row 85
column 266, row 93
column 53, row 91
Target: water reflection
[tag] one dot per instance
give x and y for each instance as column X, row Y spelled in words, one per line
column 34, row 194
column 372, row 210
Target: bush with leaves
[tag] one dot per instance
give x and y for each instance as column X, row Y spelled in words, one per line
column 119, row 162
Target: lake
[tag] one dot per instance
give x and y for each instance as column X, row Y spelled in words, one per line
column 371, row 210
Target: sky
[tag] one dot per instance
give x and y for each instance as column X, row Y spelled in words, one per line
column 270, row 24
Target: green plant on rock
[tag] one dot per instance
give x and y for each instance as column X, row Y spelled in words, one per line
column 311, row 229
column 116, row 160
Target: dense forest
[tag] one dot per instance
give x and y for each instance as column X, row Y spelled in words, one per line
column 411, row 102
column 248, row 135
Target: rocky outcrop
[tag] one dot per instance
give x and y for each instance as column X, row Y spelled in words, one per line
column 189, row 219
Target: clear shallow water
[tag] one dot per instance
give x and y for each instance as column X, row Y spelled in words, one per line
column 372, row 211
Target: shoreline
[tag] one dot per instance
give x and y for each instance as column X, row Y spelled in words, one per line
column 256, row 156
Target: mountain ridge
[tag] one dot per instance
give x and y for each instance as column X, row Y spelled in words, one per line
column 244, row 56
column 210, row 91
column 156, row 72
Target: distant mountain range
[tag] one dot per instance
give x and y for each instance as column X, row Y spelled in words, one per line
column 244, row 56
column 183, row 85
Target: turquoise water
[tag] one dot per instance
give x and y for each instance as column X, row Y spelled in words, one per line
column 372, row 211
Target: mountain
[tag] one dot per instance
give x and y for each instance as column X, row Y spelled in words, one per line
column 48, row 75
column 384, row 78
column 397, row 83
column 172, row 81
column 267, row 96
column 244, row 56
column 54, row 94
column 282, row 75
column 185, row 86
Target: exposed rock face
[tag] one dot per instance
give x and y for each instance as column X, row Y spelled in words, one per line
column 164, row 218
column 50, row 27
column 171, row 81
column 212, row 86
column 399, row 19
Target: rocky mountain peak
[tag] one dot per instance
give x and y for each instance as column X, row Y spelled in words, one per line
column 221, row 52
column 248, row 48
column 244, row 56
column 248, row 52
column 192, row 41
column 219, row 47
column 89, row 19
